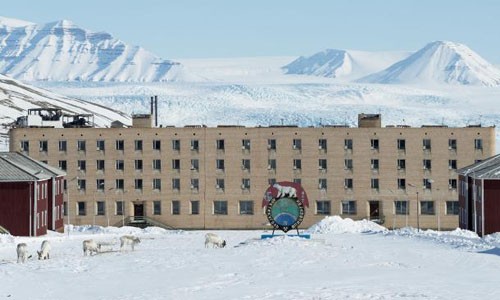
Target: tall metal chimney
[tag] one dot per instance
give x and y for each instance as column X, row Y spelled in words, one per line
column 156, row 111
column 152, row 107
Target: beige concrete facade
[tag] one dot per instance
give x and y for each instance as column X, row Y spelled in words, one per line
column 352, row 172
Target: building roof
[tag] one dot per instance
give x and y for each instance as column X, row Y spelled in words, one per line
column 485, row 169
column 19, row 167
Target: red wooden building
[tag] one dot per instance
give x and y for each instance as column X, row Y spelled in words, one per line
column 479, row 196
column 31, row 195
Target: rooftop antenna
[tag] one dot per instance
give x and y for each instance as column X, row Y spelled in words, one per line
column 320, row 122
column 480, row 116
column 281, row 121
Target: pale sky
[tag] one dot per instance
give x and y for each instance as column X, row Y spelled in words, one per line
column 238, row 28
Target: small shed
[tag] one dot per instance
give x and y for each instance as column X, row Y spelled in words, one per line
column 479, row 196
column 31, row 198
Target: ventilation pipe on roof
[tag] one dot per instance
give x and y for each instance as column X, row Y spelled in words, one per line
column 156, row 111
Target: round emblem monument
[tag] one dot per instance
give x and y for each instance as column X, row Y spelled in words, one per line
column 284, row 202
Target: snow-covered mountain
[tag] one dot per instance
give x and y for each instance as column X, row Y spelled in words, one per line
column 343, row 64
column 439, row 62
column 62, row 51
column 16, row 98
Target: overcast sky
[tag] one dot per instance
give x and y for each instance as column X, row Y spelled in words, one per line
column 237, row 28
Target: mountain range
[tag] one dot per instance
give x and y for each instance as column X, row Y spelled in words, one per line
column 62, row 51
column 440, row 62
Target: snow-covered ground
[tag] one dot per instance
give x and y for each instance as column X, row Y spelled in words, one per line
column 344, row 259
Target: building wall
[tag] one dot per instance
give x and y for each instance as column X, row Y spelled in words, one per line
column 491, row 206
column 41, row 210
column 55, row 205
column 15, row 207
column 259, row 174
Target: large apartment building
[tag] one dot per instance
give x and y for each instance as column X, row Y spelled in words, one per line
column 201, row 177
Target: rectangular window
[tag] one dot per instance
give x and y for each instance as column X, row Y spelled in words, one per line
column 245, row 144
column 82, row 184
column 25, row 146
column 176, row 145
column 63, row 165
column 323, row 207
column 374, row 144
column 44, row 146
column 195, row 183
column 401, row 183
column 348, row 184
column 195, row 145
column 195, row 164
column 195, row 207
column 65, row 208
column 138, row 184
column 119, row 184
column 452, row 208
column 120, row 145
column 219, row 183
column 322, row 184
column 401, row 164
column 81, row 165
column 271, row 181
column 322, row 164
column 157, row 184
column 452, row 144
column 426, row 144
column 297, row 164
column 101, row 208
column 100, row 164
column 120, row 165
column 99, row 185
column 245, row 164
column 176, row 164
column 348, row 144
column 176, row 183
column 82, row 210
column 176, row 207
column 322, row 144
column 427, row 207
column 80, row 144
column 452, row 184
column 348, row 207
column 220, row 207
column 374, row 164
column 219, row 145
column 138, row 164
column 156, row 145
column 348, row 164
column 271, row 144
column 100, row 145
column 427, row 183
column 119, row 208
column 374, row 183
column 157, row 208
column 63, row 146
column 138, row 145
column 401, row 144
column 401, row 207
column 478, row 144
column 157, row 164
column 452, row 164
column 246, row 207
column 271, row 164
column 297, row 180
column 427, row 164
column 245, row 183
column 219, row 164
column 297, row 144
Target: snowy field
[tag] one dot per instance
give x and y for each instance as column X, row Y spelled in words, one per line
column 342, row 260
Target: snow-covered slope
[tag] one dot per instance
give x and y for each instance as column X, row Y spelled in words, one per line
column 440, row 62
column 62, row 51
column 16, row 98
column 344, row 64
